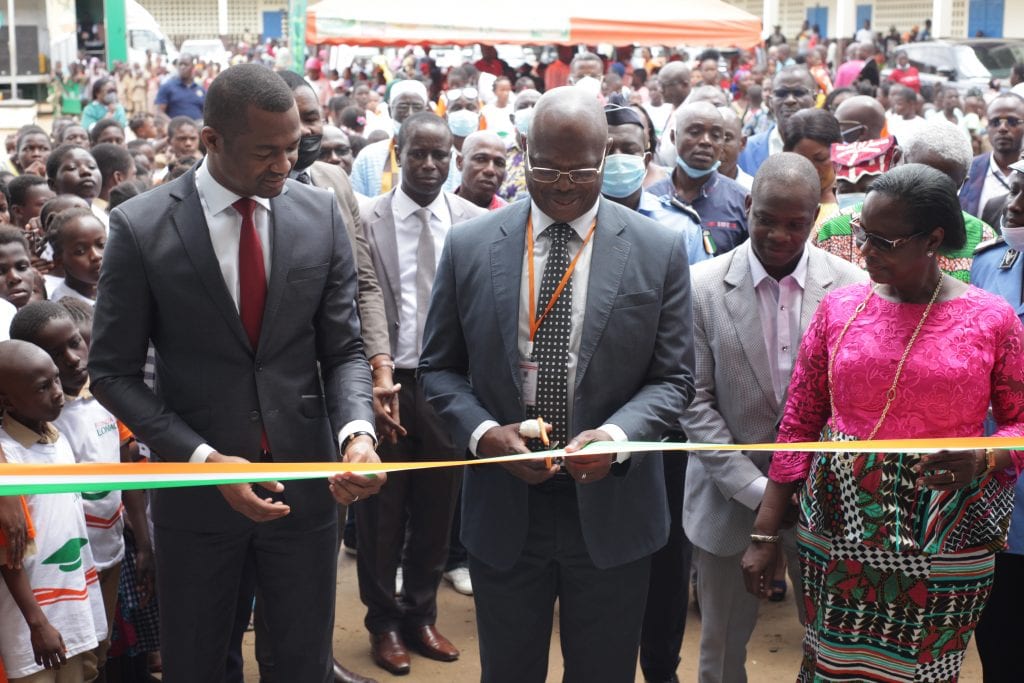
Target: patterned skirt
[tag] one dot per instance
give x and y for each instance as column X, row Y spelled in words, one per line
column 895, row 578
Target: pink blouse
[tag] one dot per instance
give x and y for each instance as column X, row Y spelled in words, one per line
column 969, row 354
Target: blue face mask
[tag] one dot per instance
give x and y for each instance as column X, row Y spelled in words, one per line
column 522, row 119
column 623, row 175
column 697, row 172
column 463, row 122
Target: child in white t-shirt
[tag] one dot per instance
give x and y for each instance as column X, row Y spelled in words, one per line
column 94, row 435
column 78, row 239
column 51, row 612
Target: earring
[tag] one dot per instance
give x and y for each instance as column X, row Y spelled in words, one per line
column 931, row 253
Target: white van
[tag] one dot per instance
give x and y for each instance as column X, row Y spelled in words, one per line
column 144, row 34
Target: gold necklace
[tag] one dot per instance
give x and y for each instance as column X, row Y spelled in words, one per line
column 890, row 395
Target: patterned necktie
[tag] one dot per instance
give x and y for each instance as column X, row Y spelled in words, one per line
column 304, row 178
column 551, row 344
column 252, row 274
column 426, row 268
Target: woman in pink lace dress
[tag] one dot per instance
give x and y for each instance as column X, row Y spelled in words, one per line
column 897, row 550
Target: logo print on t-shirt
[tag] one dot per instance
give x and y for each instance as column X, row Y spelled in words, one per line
column 69, row 557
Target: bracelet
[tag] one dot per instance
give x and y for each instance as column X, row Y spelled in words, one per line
column 764, row 538
column 387, row 363
column 348, row 439
column 990, row 462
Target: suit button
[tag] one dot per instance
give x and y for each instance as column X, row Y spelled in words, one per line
column 254, row 416
column 259, row 367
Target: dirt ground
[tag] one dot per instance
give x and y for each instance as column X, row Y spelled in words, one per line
column 773, row 654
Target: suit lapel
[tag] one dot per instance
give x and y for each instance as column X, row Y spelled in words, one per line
column 816, row 286
column 382, row 232
column 609, row 254
column 283, row 234
column 741, row 304
column 506, row 281
column 190, row 222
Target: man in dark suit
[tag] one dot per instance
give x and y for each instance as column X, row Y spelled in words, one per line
column 610, row 360
column 245, row 284
column 408, row 524
column 793, row 89
column 989, row 176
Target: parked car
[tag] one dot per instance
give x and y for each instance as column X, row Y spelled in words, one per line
column 207, row 50
column 997, row 54
column 942, row 61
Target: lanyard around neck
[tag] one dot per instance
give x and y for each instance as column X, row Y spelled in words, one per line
column 536, row 322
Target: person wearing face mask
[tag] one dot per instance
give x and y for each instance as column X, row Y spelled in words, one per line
column 515, row 168
column 667, row 593
column 104, row 105
column 998, row 268
column 374, row 332
column 944, row 147
column 695, row 187
column 463, row 114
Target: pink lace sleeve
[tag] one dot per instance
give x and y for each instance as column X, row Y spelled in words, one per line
column 1008, row 388
column 807, row 408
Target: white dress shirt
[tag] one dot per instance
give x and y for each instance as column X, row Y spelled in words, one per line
column 580, row 282
column 775, row 142
column 779, row 303
column 996, row 184
column 225, row 225
column 407, row 235
column 7, row 311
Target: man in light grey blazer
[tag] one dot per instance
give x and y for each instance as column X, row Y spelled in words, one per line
column 409, row 521
column 583, row 533
column 245, row 284
column 751, row 307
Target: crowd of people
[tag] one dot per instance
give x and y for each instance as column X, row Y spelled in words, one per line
column 398, row 264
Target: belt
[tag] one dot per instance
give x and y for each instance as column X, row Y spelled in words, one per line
column 561, row 483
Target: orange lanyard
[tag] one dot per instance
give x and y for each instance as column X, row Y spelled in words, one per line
column 536, row 322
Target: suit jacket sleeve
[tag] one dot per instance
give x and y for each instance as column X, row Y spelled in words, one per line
column 669, row 385
column 703, row 423
column 343, row 366
column 371, row 300
column 121, row 331
column 444, row 361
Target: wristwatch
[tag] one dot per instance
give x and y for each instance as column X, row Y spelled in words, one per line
column 348, row 439
column 764, row 538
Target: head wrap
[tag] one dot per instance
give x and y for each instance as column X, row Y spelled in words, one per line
column 407, row 86
column 854, row 160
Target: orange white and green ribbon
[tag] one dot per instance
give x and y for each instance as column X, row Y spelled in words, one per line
column 24, row 479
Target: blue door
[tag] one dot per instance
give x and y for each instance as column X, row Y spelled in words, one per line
column 819, row 16
column 863, row 14
column 985, row 16
column 272, row 24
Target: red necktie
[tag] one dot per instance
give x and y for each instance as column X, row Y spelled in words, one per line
column 252, row 274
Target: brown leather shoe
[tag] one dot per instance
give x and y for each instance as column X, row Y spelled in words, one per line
column 430, row 643
column 343, row 675
column 389, row 652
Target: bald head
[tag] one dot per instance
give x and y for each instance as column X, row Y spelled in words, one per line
column 693, row 110
column 787, row 174
column 864, row 111
column 708, row 93
column 484, row 139
column 674, row 79
column 572, row 112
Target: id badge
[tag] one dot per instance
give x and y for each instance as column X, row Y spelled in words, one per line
column 528, row 378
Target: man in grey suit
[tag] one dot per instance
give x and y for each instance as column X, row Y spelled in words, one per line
column 245, row 284
column 409, row 521
column 751, row 307
column 610, row 360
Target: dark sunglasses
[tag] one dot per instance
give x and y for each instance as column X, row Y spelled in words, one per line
column 785, row 93
column 860, row 236
column 1010, row 121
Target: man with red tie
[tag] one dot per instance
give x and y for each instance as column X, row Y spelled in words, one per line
column 244, row 283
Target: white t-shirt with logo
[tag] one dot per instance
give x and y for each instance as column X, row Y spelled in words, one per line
column 62, row 573
column 92, row 432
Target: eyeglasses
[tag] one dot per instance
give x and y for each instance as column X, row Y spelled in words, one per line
column 341, row 151
column 860, row 236
column 853, row 133
column 1010, row 121
column 786, row 93
column 459, row 93
column 553, row 175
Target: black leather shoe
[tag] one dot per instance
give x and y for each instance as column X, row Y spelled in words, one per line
column 343, row 675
